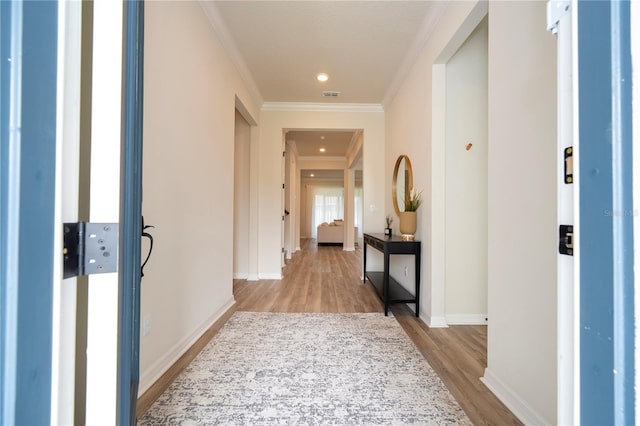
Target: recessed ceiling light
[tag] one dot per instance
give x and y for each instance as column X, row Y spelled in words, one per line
column 322, row 137
column 311, row 175
column 322, row 149
column 322, row 77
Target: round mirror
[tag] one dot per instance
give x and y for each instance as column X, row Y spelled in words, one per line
column 402, row 183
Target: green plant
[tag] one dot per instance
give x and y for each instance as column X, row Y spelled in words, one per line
column 389, row 221
column 414, row 201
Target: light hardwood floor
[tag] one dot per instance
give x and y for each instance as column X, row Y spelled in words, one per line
column 327, row 279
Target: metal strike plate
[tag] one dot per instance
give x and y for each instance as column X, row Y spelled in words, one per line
column 568, row 165
column 565, row 245
column 90, row 248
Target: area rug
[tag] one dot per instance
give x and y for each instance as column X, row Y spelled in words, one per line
column 307, row 369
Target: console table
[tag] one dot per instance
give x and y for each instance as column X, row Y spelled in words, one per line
column 389, row 290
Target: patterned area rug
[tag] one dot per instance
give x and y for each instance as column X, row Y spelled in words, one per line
column 308, row 369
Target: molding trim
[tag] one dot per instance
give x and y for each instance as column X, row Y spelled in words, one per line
column 435, row 322
column 467, row 319
column 217, row 23
column 240, row 276
column 310, row 106
column 426, row 30
column 152, row 374
column 517, row 405
column 276, row 276
column 323, row 159
column 253, row 277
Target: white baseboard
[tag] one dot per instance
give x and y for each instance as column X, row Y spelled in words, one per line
column 435, row 322
column 517, row 405
column 467, row 319
column 253, row 277
column 240, row 275
column 276, row 276
column 158, row 368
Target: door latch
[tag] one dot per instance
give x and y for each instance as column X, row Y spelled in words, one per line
column 565, row 245
column 89, row 248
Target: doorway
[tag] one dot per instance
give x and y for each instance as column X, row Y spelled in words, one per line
column 323, row 164
column 466, row 181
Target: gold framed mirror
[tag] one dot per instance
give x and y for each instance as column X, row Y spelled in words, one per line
column 402, row 183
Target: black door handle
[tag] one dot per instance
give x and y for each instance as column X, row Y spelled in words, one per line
column 150, row 237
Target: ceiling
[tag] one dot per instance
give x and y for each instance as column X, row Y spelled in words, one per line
column 309, row 142
column 366, row 48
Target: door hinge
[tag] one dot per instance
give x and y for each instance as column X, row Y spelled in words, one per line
column 283, row 186
column 556, row 9
column 284, row 153
column 89, row 248
column 565, row 245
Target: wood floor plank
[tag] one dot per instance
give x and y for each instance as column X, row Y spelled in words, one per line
column 328, row 279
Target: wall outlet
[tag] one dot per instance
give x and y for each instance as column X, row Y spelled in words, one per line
column 146, row 325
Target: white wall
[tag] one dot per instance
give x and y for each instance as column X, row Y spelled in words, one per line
column 241, row 182
column 521, row 190
column 466, row 182
column 522, row 208
column 409, row 131
column 273, row 119
column 190, row 97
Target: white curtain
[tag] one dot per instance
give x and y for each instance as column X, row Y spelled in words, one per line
column 328, row 205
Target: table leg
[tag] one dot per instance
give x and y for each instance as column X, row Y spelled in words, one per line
column 417, row 256
column 364, row 263
column 385, row 283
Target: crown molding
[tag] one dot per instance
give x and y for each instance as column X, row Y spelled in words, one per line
column 217, row 23
column 322, row 158
column 315, row 107
column 426, row 30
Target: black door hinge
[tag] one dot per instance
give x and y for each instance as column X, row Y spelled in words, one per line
column 89, row 248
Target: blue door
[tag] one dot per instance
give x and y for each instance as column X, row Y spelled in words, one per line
column 28, row 43
column 606, row 214
column 28, row 100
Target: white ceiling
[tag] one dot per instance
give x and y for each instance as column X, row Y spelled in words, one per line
column 309, row 142
column 366, row 47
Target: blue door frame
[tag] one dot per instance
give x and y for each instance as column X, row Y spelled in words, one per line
column 28, row 80
column 130, row 215
column 28, row 70
column 607, row 393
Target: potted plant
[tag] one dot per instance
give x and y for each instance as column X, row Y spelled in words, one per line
column 409, row 217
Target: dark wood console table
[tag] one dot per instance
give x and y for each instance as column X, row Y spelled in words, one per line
column 389, row 290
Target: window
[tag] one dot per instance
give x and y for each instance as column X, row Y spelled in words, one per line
column 328, row 205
